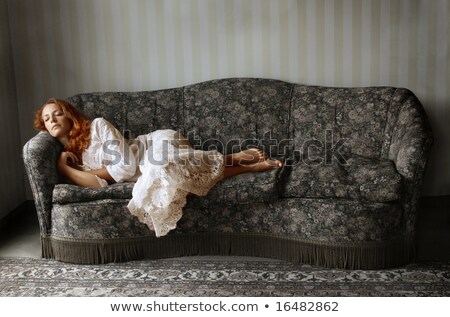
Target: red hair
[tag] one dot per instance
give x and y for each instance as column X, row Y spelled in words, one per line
column 80, row 134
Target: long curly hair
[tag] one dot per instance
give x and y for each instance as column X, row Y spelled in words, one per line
column 79, row 136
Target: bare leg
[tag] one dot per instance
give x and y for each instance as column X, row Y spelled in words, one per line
column 245, row 157
column 255, row 167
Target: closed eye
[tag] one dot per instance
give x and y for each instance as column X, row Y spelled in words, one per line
column 57, row 113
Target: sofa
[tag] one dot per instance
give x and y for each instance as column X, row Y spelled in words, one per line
column 346, row 196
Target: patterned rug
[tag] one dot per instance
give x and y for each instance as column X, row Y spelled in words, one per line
column 215, row 277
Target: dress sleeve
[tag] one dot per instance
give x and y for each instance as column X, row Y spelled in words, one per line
column 115, row 153
column 101, row 181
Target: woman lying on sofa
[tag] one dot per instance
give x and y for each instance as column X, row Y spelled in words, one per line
column 163, row 163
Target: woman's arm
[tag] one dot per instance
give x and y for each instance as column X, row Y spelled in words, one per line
column 102, row 173
column 79, row 177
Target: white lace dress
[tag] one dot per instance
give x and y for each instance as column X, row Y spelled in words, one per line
column 164, row 166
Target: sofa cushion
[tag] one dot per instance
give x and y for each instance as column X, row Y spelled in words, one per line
column 360, row 179
column 317, row 181
column 67, row 193
column 244, row 188
column 240, row 189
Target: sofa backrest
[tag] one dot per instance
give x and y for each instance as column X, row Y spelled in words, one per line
column 357, row 120
column 229, row 114
column 134, row 113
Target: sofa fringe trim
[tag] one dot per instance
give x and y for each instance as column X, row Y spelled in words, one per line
column 369, row 255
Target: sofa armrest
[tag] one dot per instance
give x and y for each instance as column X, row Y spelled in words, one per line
column 410, row 147
column 411, row 140
column 40, row 154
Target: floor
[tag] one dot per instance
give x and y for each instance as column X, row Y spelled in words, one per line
column 19, row 231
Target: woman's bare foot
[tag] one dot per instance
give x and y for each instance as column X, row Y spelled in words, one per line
column 255, row 167
column 246, row 157
column 265, row 165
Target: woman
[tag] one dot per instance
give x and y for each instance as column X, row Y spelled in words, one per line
column 163, row 164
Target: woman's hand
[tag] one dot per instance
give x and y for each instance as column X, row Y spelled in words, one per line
column 68, row 166
column 69, row 159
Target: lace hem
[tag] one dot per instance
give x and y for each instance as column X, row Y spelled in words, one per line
column 160, row 192
column 157, row 215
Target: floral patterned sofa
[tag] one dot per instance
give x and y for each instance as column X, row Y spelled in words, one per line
column 346, row 196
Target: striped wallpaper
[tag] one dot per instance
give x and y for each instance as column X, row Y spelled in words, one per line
column 63, row 47
column 12, row 190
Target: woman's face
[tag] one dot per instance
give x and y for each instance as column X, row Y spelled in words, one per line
column 56, row 122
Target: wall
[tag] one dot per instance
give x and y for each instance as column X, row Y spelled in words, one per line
column 12, row 187
column 67, row 47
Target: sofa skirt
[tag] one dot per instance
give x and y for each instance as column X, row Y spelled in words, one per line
column 344, row 255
